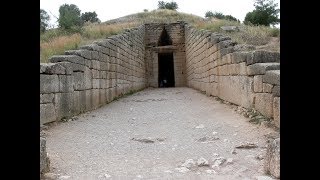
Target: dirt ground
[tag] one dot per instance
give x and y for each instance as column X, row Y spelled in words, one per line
column 167, row 133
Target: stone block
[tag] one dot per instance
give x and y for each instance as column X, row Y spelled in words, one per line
column 49, row 83
column 226, row 51
column 103, row 66
column 46, row 98
column 242, row 68
column 102, row 96
column 88, row 63
column 65, row 83
column 43, row 67
column 47, row 113
column 67, row 58
column 272, row 159
column 226, row 44
column 52, row 68
column 276, row 91
column 261, row 68
column 103, row 83
column 96, row 64
column 69, row 66
column 88, row 99
column 236, row 89
column 103, row 75
column 81, row 52
column 78, row 81
column 95, row 55
column 95, row 83
column 73, row 67
column 213, row 89
column 272, row 77
column 257, row 83
column 95, row 74
column 226, row 59
column 91, row 47
column 82, row 101
column 267, row 88
column 238, row 57
column 276, row 111
column 87, row 79
column 264, row 104
column 260, row 56
column 63, row 105
column 95, row 98
column 76, row 103
column 44, row 160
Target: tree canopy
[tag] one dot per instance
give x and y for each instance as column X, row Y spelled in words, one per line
column 69, row 16
column 265, row 13
column 90, row 17
column 44, row 20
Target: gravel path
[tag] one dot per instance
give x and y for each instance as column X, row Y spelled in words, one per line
column 150, row 134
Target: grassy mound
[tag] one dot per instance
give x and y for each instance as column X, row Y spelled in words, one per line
column 56, row 41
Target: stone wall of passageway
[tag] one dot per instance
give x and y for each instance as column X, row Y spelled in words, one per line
column 85, row 79
column 219, row 67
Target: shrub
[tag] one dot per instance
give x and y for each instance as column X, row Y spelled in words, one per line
column 165, row 5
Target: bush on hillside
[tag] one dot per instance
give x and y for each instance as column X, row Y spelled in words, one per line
column 167, row 5
column 219, row 15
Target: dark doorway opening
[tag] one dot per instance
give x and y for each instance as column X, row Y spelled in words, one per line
column 164, row 39
column 166, row 70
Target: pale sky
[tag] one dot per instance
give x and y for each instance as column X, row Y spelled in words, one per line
column 107, row 10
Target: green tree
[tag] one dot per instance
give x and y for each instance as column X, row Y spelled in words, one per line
column 90, row 17
column 69, row 16
column 265, row 13
column 167, row 5
column 161, row 5
column 218, row 15
column 44, row 20
column 209, row 14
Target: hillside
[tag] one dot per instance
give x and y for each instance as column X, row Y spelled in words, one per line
column 56, row 41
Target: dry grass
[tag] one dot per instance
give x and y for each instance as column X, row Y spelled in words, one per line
column 254, row 35
column 56, row 41
column 58, row 45
column 96, row 31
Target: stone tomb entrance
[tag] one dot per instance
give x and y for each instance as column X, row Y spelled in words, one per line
column 166, row 70
column 165, row 54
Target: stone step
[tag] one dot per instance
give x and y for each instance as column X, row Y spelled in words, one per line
column 272, row 77
column 261, row 68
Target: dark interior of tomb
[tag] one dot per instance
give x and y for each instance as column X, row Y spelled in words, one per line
column 164, row 39
column 166, row 70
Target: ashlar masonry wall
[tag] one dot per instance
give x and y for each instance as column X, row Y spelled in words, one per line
column 85, row 79
column 219, row 67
